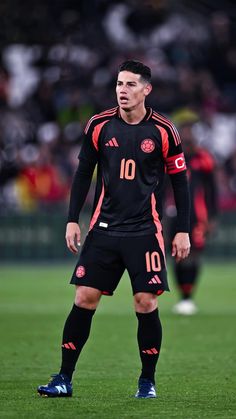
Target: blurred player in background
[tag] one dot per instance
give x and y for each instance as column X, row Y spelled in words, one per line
column 132, row 146
column 203, row 195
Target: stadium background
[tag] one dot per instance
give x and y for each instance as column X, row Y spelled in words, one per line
column 58, row 67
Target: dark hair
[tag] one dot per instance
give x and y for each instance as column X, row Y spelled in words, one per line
column 137, row 67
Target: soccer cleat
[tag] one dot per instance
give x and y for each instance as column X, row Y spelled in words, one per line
column 59, row 386
column 146, row 389
column 185, row 307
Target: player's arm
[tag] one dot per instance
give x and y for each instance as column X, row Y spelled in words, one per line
column 176, row 168
column 181, row 242
column 79, row 190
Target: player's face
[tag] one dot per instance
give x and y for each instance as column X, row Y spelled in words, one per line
column 131, row 90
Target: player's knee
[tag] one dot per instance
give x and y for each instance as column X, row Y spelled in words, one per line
column 145, row 302
column 86, row 297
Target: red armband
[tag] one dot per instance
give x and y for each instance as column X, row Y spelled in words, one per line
column 175, row 164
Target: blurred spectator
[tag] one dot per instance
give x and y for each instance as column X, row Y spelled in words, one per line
column 58, row 68
column 204, row 210
column 40, row 183
column 230, row 172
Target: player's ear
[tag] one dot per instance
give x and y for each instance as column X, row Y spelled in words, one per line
column 148, row 89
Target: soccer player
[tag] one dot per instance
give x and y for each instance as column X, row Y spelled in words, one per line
column 132, row 146
column 203, row 198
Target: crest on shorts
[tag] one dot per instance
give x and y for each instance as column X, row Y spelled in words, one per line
column 147, row 145
column 80, row 271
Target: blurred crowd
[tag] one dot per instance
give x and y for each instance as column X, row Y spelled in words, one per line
column 58, row 67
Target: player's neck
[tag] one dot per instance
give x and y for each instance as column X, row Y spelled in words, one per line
column 133, row 116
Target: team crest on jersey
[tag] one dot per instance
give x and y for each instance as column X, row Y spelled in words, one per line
column 80, row 271
column 147, row 145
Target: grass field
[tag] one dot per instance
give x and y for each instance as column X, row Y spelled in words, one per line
column 196, row 373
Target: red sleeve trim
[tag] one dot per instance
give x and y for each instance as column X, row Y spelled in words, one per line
column 96, row 132
column 165, row 141
column 107, row 113
column 170, row 125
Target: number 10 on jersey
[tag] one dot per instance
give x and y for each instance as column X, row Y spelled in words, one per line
column 127, row 169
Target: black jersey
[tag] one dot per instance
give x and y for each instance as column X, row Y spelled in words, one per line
column 131, row 165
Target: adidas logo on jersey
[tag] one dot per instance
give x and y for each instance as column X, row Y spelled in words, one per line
column 155, row 280
column 112, row 143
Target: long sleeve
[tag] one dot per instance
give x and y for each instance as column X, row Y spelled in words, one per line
column 80, row 187
column 182, row 201
column 176, row 168
column 88, row 158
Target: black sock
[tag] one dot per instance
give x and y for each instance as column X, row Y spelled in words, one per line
column 75, row 334
column 187, row 276
column 149, row 342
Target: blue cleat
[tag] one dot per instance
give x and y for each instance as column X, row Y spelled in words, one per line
column 146, row 389
column 59, row 386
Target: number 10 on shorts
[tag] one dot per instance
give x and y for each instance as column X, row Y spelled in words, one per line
column 153, row 261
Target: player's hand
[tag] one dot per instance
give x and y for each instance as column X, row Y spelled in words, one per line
column 180, row 246
column 73, row 237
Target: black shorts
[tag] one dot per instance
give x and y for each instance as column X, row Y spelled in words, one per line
column 104, row 258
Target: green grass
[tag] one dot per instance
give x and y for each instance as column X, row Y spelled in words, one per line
column 196, row 372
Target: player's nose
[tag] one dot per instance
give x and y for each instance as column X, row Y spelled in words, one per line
column 123, row 89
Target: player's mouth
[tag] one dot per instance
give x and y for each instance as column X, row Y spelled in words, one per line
column 123, row 100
